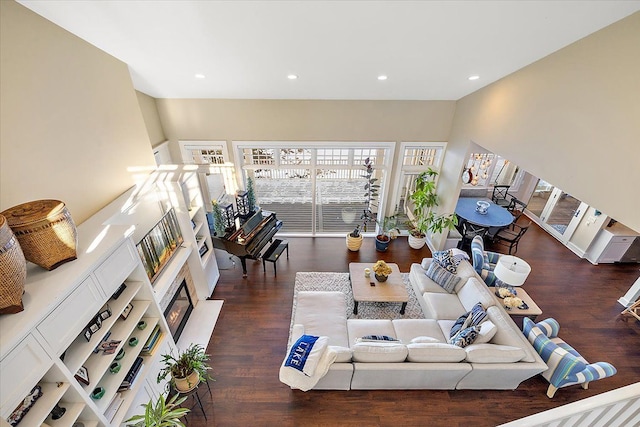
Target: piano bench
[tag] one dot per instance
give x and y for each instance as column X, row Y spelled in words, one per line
column 273, row 253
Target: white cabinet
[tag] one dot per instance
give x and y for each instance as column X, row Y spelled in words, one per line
column 50, row 353
column 611, row 244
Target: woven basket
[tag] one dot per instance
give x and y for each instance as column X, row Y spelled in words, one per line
column 13, row 270
column 46, row 232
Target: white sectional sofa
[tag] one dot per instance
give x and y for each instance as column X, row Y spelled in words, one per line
column 422, row 358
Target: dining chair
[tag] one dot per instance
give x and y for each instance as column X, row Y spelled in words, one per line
column 511, row 238
column 516, row 207
column 469, row 231
column 500, row 195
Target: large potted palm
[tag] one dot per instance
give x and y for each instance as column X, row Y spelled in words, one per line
column 187, row 369
column 425, row 220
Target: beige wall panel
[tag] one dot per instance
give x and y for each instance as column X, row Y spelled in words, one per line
column 304, row 120
column 151, row 118
column 572, row 119
column 71, row 124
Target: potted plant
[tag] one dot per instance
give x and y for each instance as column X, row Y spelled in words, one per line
column 163, row 414
column 381, row 270
column 187, row 369
column 425, row 199
column 218, row 221
column 388, row 231
column 354, row 239
column 251, row 195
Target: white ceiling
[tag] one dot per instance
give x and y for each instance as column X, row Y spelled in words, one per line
column 246, row 49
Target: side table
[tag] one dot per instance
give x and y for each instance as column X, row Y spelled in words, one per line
column 518, row 314
column 193, row 392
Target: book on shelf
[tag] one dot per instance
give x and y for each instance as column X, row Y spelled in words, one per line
column 152, row 342
column 131, row 375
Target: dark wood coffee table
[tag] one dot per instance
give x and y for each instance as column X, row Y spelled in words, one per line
column 391, row 290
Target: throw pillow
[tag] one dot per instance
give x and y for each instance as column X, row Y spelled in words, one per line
column 444, row 260
column 306, row 352
column 457, row 326
column 487, row 331
column 376, row 338
column 466, row 336
column 442, row 277
column 477, row 314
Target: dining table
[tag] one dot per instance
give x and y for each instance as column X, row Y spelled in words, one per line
column 496, row 216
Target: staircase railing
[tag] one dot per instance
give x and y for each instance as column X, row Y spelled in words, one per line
column 620, row 407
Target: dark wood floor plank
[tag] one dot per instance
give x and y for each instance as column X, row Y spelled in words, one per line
column 249, row 341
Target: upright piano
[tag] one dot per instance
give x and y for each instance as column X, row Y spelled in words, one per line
column 250, row 238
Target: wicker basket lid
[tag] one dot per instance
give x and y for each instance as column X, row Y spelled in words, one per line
column 33, row 212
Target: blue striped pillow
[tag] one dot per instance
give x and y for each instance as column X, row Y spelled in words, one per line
column 442, row 277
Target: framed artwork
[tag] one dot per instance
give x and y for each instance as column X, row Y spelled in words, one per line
column 87, row 334
column 106, row 313
column 158, row 246
column 203, row 249
column 82, row 375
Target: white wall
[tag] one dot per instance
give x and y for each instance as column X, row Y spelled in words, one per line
column 572, row 118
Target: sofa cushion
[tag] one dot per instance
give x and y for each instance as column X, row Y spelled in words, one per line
column 487, row 331
column 442, row 277
column 507, row 333
column 343, row 354
column 359, row 328
column 466, row 336
column 435, row 352
column 493, row 353
column 408, row 329
column 323, row 314
column 473, row 292
column 379, row 352
column 424, row 340
column 444, row 306
column 420, row 282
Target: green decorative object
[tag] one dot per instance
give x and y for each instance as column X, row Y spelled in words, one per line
column 218, row 221
column 251, row 194
column 133, row 341
column 98, row 392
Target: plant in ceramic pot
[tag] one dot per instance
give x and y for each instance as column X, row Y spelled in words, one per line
column 381, row 270
column 187, row 369
column 425, row 219
column 388, row 230
column 165, row 413
column 354, row 239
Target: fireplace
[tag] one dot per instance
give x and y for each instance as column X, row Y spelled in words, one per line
column 178, row 311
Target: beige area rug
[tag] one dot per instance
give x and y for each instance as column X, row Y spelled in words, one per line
column 366, row 310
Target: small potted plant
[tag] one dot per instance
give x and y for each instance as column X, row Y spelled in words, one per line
column 388, row 231
column 381, row 270
column 187, row 370
column 163, row 414
column 354, row 239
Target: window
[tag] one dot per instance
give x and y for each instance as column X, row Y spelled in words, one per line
column 204, row 152
column 314, row 188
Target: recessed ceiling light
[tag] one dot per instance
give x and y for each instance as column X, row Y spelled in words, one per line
column 474, row 77
column 199, row 76
column 382, row 77
column 292, row 76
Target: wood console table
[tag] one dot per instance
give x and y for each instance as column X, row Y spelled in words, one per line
column 517, row 314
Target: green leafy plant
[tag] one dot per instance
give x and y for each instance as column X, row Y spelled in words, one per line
column 425, row 199
column 163, row 414
column 370, row 195
column 251, row 194
column 388, row 228
column 192, row 359
column 356, row 232
column 218, row 221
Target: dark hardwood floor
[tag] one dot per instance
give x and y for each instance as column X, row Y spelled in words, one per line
column 249, row 342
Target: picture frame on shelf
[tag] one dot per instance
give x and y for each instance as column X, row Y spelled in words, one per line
column 106, row 313
column 203, row 249
column 87, row 334
column 126, row 311
column 82, row 375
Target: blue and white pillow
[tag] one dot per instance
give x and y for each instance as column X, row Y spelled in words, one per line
column 370, row 338
column 450, row 259
column 306, row 352
column 466, row 336
column 442, row 277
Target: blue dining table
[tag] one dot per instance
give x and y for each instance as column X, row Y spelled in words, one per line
column 496, row 216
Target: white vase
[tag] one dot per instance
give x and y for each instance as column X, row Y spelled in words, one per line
column 416, row 242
